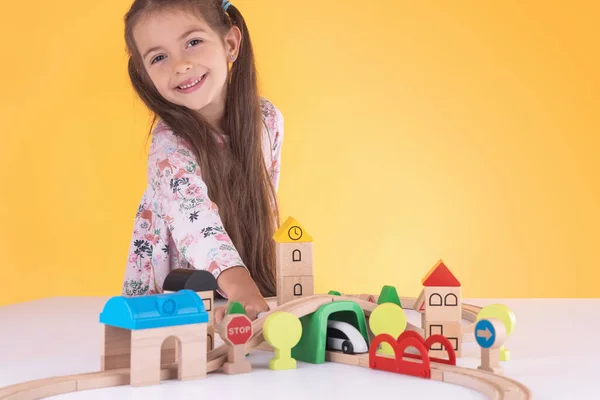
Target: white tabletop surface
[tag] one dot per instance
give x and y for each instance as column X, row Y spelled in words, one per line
column 554, row 351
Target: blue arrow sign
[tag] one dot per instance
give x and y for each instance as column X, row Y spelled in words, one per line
column 485, row 334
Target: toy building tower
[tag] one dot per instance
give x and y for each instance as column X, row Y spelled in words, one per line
column 294, row 260
column 204, row 284
column 440, row 305
column 137, row 331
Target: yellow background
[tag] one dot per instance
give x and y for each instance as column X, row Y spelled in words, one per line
column 414, row 131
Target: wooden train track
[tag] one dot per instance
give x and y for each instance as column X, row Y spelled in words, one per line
column 492, row 385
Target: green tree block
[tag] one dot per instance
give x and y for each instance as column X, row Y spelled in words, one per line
column 312, row 345
column 235, row 308
column 389, row 295
column 334, row 293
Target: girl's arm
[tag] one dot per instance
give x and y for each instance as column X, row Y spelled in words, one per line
column 191, row 217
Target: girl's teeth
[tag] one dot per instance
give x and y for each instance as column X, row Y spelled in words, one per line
column 190, row 85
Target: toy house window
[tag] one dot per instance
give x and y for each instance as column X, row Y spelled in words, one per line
column 450, row 300
column 297, row 289
column 207, row 304
column 454, row 342
column 296, row 256
column 435, row 300
column 436, row 330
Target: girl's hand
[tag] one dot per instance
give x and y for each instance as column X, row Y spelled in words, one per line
column 238, row 286
column 252, row 306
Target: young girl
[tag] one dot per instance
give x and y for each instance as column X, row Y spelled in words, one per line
column 213, row 166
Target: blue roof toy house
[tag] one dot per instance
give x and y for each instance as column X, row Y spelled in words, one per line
column 146, row 332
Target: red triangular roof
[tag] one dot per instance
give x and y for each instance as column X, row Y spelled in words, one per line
column 440, row 275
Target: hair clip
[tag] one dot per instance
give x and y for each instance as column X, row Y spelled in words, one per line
column 225, row 4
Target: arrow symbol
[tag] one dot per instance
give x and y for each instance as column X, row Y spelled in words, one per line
column 484, row 333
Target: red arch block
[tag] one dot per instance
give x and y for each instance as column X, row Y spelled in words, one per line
column 431, row 340
column 397, row 363
column 423, row 369
column 380, row 362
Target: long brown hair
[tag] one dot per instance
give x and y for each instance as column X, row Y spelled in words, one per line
column 236, row 176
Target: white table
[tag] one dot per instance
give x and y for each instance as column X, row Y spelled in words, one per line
column 554, row 351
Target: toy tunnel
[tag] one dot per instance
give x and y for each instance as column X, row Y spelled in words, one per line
column 312, row 345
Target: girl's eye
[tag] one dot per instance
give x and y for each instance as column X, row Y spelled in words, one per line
column 191, row 42
column 154, row 59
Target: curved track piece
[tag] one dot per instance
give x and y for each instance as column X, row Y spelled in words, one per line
column 511, row 389
column 494, row 386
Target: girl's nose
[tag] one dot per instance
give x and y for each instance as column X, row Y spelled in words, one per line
column 182, row 66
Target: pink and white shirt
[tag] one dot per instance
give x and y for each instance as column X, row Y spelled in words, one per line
column 176, row 224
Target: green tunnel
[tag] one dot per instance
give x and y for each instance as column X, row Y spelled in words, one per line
column 312, row 344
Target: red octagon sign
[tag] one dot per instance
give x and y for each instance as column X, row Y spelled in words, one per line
column 239, row 329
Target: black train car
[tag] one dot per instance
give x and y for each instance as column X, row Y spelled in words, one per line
column 203, row 283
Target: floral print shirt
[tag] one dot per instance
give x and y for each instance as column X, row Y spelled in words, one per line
column 176, row 224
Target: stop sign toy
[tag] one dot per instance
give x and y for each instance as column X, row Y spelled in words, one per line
column 239, row 329
column 236, row 330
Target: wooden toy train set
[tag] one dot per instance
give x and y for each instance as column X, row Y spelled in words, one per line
column 170, row 335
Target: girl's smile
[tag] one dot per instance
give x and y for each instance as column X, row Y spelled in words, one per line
column 191, row 85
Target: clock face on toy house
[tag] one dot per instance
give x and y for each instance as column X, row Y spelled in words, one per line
column 295, row 232
column 291, row 231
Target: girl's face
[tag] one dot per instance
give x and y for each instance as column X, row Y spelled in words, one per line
column 185, row 59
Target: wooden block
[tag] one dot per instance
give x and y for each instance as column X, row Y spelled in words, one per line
column 146, row 354
column 294, row 259
column 294, row 287
column 451, row 331
column 145, row 357
column 443, row 303
column 193, row 358
column 116, row 348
